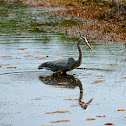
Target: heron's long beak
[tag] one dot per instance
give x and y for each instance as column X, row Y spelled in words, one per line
column 88, row 44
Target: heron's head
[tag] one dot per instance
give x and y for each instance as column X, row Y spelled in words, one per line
column 86, row 41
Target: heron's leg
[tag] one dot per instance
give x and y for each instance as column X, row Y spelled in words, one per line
column 64, row 73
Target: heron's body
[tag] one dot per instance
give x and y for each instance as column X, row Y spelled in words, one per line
column 66, row 64
column 61, row 65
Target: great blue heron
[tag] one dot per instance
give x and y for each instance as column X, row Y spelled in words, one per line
column 67, row 64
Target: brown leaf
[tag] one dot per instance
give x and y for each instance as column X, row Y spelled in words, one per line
column 59, row 121
column 124, row 78
column 86, row 74
column 11, row 67
column 27, row 52
column 111, row 64
column 56, row 112
column 90, row 119
column 121, row 110
column 74, row 106
column 49, row 112
column 99, row 76
column 41, row 57
column 28, row 56
column 22, row 48
column 17, row 58
column 109, row 124
column 100, row 116
column 5, row 56
column 98, row 81
column 4, row 65
column 37, row 52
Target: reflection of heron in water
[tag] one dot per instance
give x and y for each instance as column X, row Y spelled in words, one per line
column 67, row 64
column 68, row 81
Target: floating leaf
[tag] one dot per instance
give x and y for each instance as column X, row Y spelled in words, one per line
column 88, row 65
column 98, row 81
column 22, row 48
column 90, row 119
column 4, row 65
column 86, row 74
column 17, row 58
column 11, row 67
column 61, row 111
column 37, row 52
column 99, row 76
column 124, row 78
column 49, row 112
column 100, row 116
column 27, row 52
column 28, row 56
column 56, row 112
column 59, row 121
column 111, row 64
column 109, row 124
column 121, row 110
column 41, row 57
column 7, row 57
column 74, row 106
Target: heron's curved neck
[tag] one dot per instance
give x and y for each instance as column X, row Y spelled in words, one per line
column 80, row 53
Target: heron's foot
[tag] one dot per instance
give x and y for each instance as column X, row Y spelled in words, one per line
column 57, row 73
column 64, row 73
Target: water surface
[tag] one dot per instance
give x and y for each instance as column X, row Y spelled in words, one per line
column 27, row 93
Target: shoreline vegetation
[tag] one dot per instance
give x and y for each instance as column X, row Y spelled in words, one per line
column 104, row 19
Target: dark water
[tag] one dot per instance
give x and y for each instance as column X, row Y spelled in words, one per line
column 27, row 93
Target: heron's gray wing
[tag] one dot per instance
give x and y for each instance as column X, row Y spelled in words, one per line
column 61, row 64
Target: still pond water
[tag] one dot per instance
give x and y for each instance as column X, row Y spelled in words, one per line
column 28, row 95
